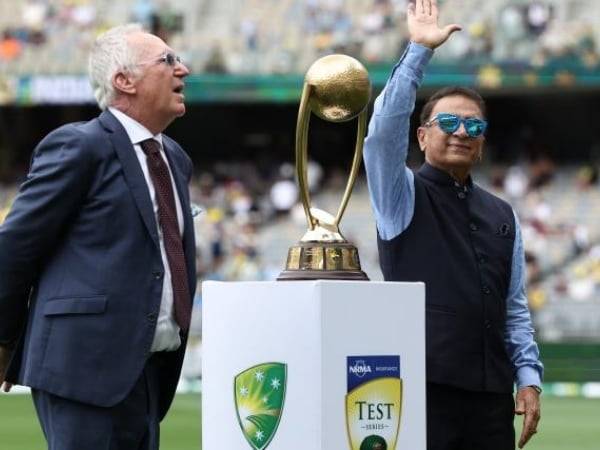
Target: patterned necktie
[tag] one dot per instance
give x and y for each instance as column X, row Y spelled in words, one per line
column 167, row 215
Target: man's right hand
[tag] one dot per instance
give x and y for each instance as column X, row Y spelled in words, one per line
column 5, row 355
column 423, row 28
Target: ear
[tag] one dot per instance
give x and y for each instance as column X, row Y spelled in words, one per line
column 422, row 137
column 124, row 83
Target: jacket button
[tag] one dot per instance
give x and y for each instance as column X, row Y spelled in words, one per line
column 488, row 324
column 482, row 260
column 486, row 290
column 462, row 195
column 473, row 227
column 151, row 317
column 157, row 275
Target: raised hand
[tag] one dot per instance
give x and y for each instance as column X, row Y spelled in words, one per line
column 423, row 25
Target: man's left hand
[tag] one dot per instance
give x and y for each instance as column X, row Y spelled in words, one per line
column 423, row 28
column 528, row 404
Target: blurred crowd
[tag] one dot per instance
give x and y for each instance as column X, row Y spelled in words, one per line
column 538, row 32
column 248, row 214
column 54, row 36
column 285, row 36
column 234, row 202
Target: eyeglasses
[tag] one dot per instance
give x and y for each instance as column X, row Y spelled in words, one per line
column 449, row 123
column 170, row 59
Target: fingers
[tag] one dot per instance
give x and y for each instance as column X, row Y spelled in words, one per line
column 423, row 27
column 420, row 7
column 527, row 402
column 523, row 439
column 519, row 406
column 425, row 7
column 6, row 386
column 449, row 29
column 529, row 429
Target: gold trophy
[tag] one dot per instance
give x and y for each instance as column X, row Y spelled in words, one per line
column 337, row 89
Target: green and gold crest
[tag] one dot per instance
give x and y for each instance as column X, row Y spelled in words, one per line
column 259, row 396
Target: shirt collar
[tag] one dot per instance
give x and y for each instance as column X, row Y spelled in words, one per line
column 440, row 177
column 135, row 130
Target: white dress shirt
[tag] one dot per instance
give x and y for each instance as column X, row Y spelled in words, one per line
column 166, row 336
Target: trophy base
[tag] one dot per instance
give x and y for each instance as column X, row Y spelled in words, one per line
column 315, row 260
column 295, row 275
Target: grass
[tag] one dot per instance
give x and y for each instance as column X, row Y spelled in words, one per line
column 20, row 429
column 567, row 423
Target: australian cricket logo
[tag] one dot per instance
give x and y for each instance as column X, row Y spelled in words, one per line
column 259, row 398
column 373, row 402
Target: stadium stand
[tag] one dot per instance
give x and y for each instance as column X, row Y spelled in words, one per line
column 285, row 36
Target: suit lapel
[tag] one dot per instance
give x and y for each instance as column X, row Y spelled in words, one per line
column 132, row 171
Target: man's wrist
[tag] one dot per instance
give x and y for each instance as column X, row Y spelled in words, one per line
column 423, row 44
column 416, row 57
column 538, row 389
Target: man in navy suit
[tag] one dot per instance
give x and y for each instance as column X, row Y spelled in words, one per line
column 97, row 267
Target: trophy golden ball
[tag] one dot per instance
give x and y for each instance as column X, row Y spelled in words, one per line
column 340, row 88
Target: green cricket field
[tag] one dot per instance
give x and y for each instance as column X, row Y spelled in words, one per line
column 567, row 423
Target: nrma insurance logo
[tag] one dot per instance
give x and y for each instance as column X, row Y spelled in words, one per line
column 373, row 402
column 360, row 368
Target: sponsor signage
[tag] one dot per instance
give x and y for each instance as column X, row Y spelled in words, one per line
column 373, row 402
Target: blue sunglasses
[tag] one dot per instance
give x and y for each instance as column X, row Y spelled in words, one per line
column 449, row 123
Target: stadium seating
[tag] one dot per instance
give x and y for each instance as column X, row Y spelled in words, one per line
column 285, row 36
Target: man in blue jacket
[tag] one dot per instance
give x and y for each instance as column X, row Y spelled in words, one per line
column 97, row 266
column 436, row 225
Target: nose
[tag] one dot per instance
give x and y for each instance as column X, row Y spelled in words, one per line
column 181, row 70
column 461, row 131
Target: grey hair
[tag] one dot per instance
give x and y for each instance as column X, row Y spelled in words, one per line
column 111, row 53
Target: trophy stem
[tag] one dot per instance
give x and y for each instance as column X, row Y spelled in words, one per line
column 362, row 128
column 302, row 153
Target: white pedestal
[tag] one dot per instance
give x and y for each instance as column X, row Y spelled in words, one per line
column 327, row 334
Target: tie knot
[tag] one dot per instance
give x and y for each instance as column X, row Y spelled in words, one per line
column 150, row 146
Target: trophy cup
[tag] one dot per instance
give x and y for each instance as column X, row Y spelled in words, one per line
column 336, row 89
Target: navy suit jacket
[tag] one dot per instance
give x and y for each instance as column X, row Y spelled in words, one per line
column 81, row 273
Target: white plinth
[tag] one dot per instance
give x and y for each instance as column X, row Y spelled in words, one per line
column 312, row 327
